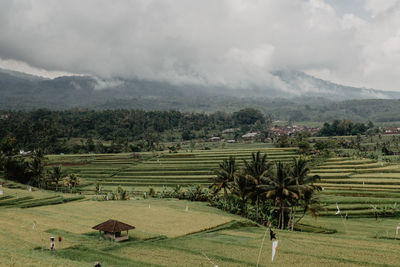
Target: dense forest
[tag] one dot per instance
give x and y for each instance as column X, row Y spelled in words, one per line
column 52, row 131
column 346, row 127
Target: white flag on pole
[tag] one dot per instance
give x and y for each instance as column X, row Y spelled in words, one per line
column 338, row 210
column 274, row 248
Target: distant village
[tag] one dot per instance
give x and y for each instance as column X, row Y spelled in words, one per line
column 391, row 130
column 288, row 130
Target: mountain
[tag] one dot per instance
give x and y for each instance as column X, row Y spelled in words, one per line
column 309, row 86
column 21, row 91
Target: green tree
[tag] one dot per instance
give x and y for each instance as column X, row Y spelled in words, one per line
column 255, row 170
column 281, row 188
column 248, row 116
column 56, row 175
column 225, row 175
column 305, row 187
column 242, row 187
column 36, row 168
column 72, row 181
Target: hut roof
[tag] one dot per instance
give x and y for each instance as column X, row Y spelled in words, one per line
column 113, row 226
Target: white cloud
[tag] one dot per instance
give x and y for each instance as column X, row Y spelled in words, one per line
column 23, row 67
column 379, row 7
column 230, row 42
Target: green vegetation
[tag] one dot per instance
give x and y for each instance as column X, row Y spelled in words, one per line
column 115, row 131
column 167, row 235
column 284, row 185
column 346, row 127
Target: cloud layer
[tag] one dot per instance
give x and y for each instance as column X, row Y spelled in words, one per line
column 229, row 42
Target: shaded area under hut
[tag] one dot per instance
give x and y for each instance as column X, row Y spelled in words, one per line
column 112, row 229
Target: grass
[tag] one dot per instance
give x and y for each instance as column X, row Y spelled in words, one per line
column 23, row 198
column 356, row 184
column 166, row 235
column 159, row 169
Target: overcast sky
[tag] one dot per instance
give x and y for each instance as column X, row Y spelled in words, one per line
column 231, row 42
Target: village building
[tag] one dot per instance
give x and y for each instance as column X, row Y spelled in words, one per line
column 230, row 130
column 249, row 135
column 112, row 229
column 25, row 153
column 291, row 130
column 4, row 117
column 215, row 139
column 391, row 130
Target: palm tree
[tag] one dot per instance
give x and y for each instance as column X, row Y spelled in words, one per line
column 72, row 180
column 36, row 168
column 225, row 176
column 255, row 170
column 309, row 202
column 56, row 175
column 242, row 188
column 257, row 166
column 305, row 188
column 281, row 188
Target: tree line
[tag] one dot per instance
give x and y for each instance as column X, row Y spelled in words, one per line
column 51, row 131
column 31, row 169
column 346, row 127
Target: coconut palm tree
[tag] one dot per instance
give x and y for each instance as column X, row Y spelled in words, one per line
column 56, row 175
column 72, row 180
column 242, row 187
column 281, row 188
column 257, row 166
column 225, row 176
column 309, row 203
column 256, row 170
column 305, row 188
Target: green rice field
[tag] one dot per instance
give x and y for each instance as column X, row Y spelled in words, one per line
column 358, row 181
column 143, row 170
column 369, row 186
column 365, row 190
column 168, row 235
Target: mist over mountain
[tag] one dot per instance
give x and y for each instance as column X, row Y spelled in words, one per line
column 303, row 97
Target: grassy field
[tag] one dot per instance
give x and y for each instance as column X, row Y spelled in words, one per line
column 167, row 235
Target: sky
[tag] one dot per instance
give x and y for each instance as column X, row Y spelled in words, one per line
column 235, row 43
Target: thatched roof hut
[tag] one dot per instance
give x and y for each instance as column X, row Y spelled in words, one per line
column 113, row 228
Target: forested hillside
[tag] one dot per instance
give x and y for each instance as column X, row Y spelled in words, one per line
column 52, row 131
column 325, row 101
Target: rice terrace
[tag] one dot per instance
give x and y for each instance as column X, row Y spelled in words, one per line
column 195, row 233
column 199, row 133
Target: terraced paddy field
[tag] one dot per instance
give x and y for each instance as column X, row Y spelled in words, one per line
column 23, row 198
column 143, row 170
column 361, row 187
column 167, row 235
column 370, row 186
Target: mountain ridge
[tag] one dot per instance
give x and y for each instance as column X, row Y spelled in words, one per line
column 25, row 92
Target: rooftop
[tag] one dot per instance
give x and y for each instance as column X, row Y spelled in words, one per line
column 113, row 226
